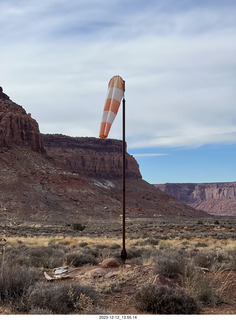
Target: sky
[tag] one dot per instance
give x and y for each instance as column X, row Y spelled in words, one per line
column 178, row 62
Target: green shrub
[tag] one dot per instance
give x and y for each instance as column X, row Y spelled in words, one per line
column 79, row 258
column 83, row 244
column 136, row 252
column 78, row 226
column 164, row 300
column 200, row 222
column 115, row 246
column 60, row 298
column 201, row 245
column 170, row 265
column 40, row 257
column 201, row 289
column 47, row 257
column 204, row 259
column 14, row 280
column 150, row 241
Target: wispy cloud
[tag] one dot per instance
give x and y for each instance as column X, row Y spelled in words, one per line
column 149, row 155
column 177, row 57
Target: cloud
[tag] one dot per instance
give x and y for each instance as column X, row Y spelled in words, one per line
column 149, row 155
column 177, row 58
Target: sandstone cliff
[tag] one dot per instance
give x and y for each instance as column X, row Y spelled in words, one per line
column 91, row 157
column 69, row 177
column 17, row 127
column 214, row 198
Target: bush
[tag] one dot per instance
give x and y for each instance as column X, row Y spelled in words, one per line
column 170, row 265
column 78, row 226
column 200, row 222
column 164, row 300
column 47, row 257
column 200, row 287
column 14, row 280
column 83, row 244
column 40, row 257
column 60, row 298
column 79, row 258
column 140, row 252
column 150, row 241
column 204, row 259
column 115, row 246
column 201, row 245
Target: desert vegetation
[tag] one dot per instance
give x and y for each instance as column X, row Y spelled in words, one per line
column 169, row 272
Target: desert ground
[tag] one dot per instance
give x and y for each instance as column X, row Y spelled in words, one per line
column 174, row 266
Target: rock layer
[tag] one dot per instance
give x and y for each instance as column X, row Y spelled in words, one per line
column 69, row 178
column 17, row 127
column 214, row 198
column 91, row 157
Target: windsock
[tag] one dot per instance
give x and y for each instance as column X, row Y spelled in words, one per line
column 114, row 95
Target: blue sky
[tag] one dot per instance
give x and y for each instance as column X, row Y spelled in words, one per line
column 178, row 61
column 208, row 163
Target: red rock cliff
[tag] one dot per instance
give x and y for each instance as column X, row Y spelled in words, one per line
column 214, row 198
column 17, row 127
column 91, row 157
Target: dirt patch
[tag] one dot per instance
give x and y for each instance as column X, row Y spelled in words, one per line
column 117, row 286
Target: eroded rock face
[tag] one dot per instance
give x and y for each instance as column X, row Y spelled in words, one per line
column 214, row 198
column 70, row 177
column 91, row 157
column 17, row 127
column 3, row 95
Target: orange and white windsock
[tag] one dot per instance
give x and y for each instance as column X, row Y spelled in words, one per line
column 114, row 95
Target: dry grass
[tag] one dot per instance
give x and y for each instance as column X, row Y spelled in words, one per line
column 209, row 243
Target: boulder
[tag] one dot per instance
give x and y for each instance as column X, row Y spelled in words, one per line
column 110, row 263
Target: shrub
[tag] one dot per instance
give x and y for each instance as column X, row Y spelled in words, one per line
column 200, row 287
column 204, row 259
column 78, row 226
column 233, row 257
column 169, row 265
column 164, row 300
column 115, row 246
column 200, row 222
column 60, row 298
column 40, row 257
column 150, row 241
column 83, row 244
column 79, row 258
column 201, row 245
column 47, row 257
column 14, row 280
column 99, row 246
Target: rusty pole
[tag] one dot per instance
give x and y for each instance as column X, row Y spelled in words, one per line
column 123, row 252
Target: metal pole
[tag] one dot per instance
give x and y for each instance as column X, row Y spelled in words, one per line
column 123, row 252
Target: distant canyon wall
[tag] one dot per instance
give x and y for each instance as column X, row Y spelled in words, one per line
column 214, row 198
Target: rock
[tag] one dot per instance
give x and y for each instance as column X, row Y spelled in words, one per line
column 110, row 263
column 17, row 127
column 163, row 281
column 3, row 95
column 214, row 198
column 95, row 273
column 69, row 177
column 111, row 274
column 91, row 157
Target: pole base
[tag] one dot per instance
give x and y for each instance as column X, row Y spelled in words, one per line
column 123, row 255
